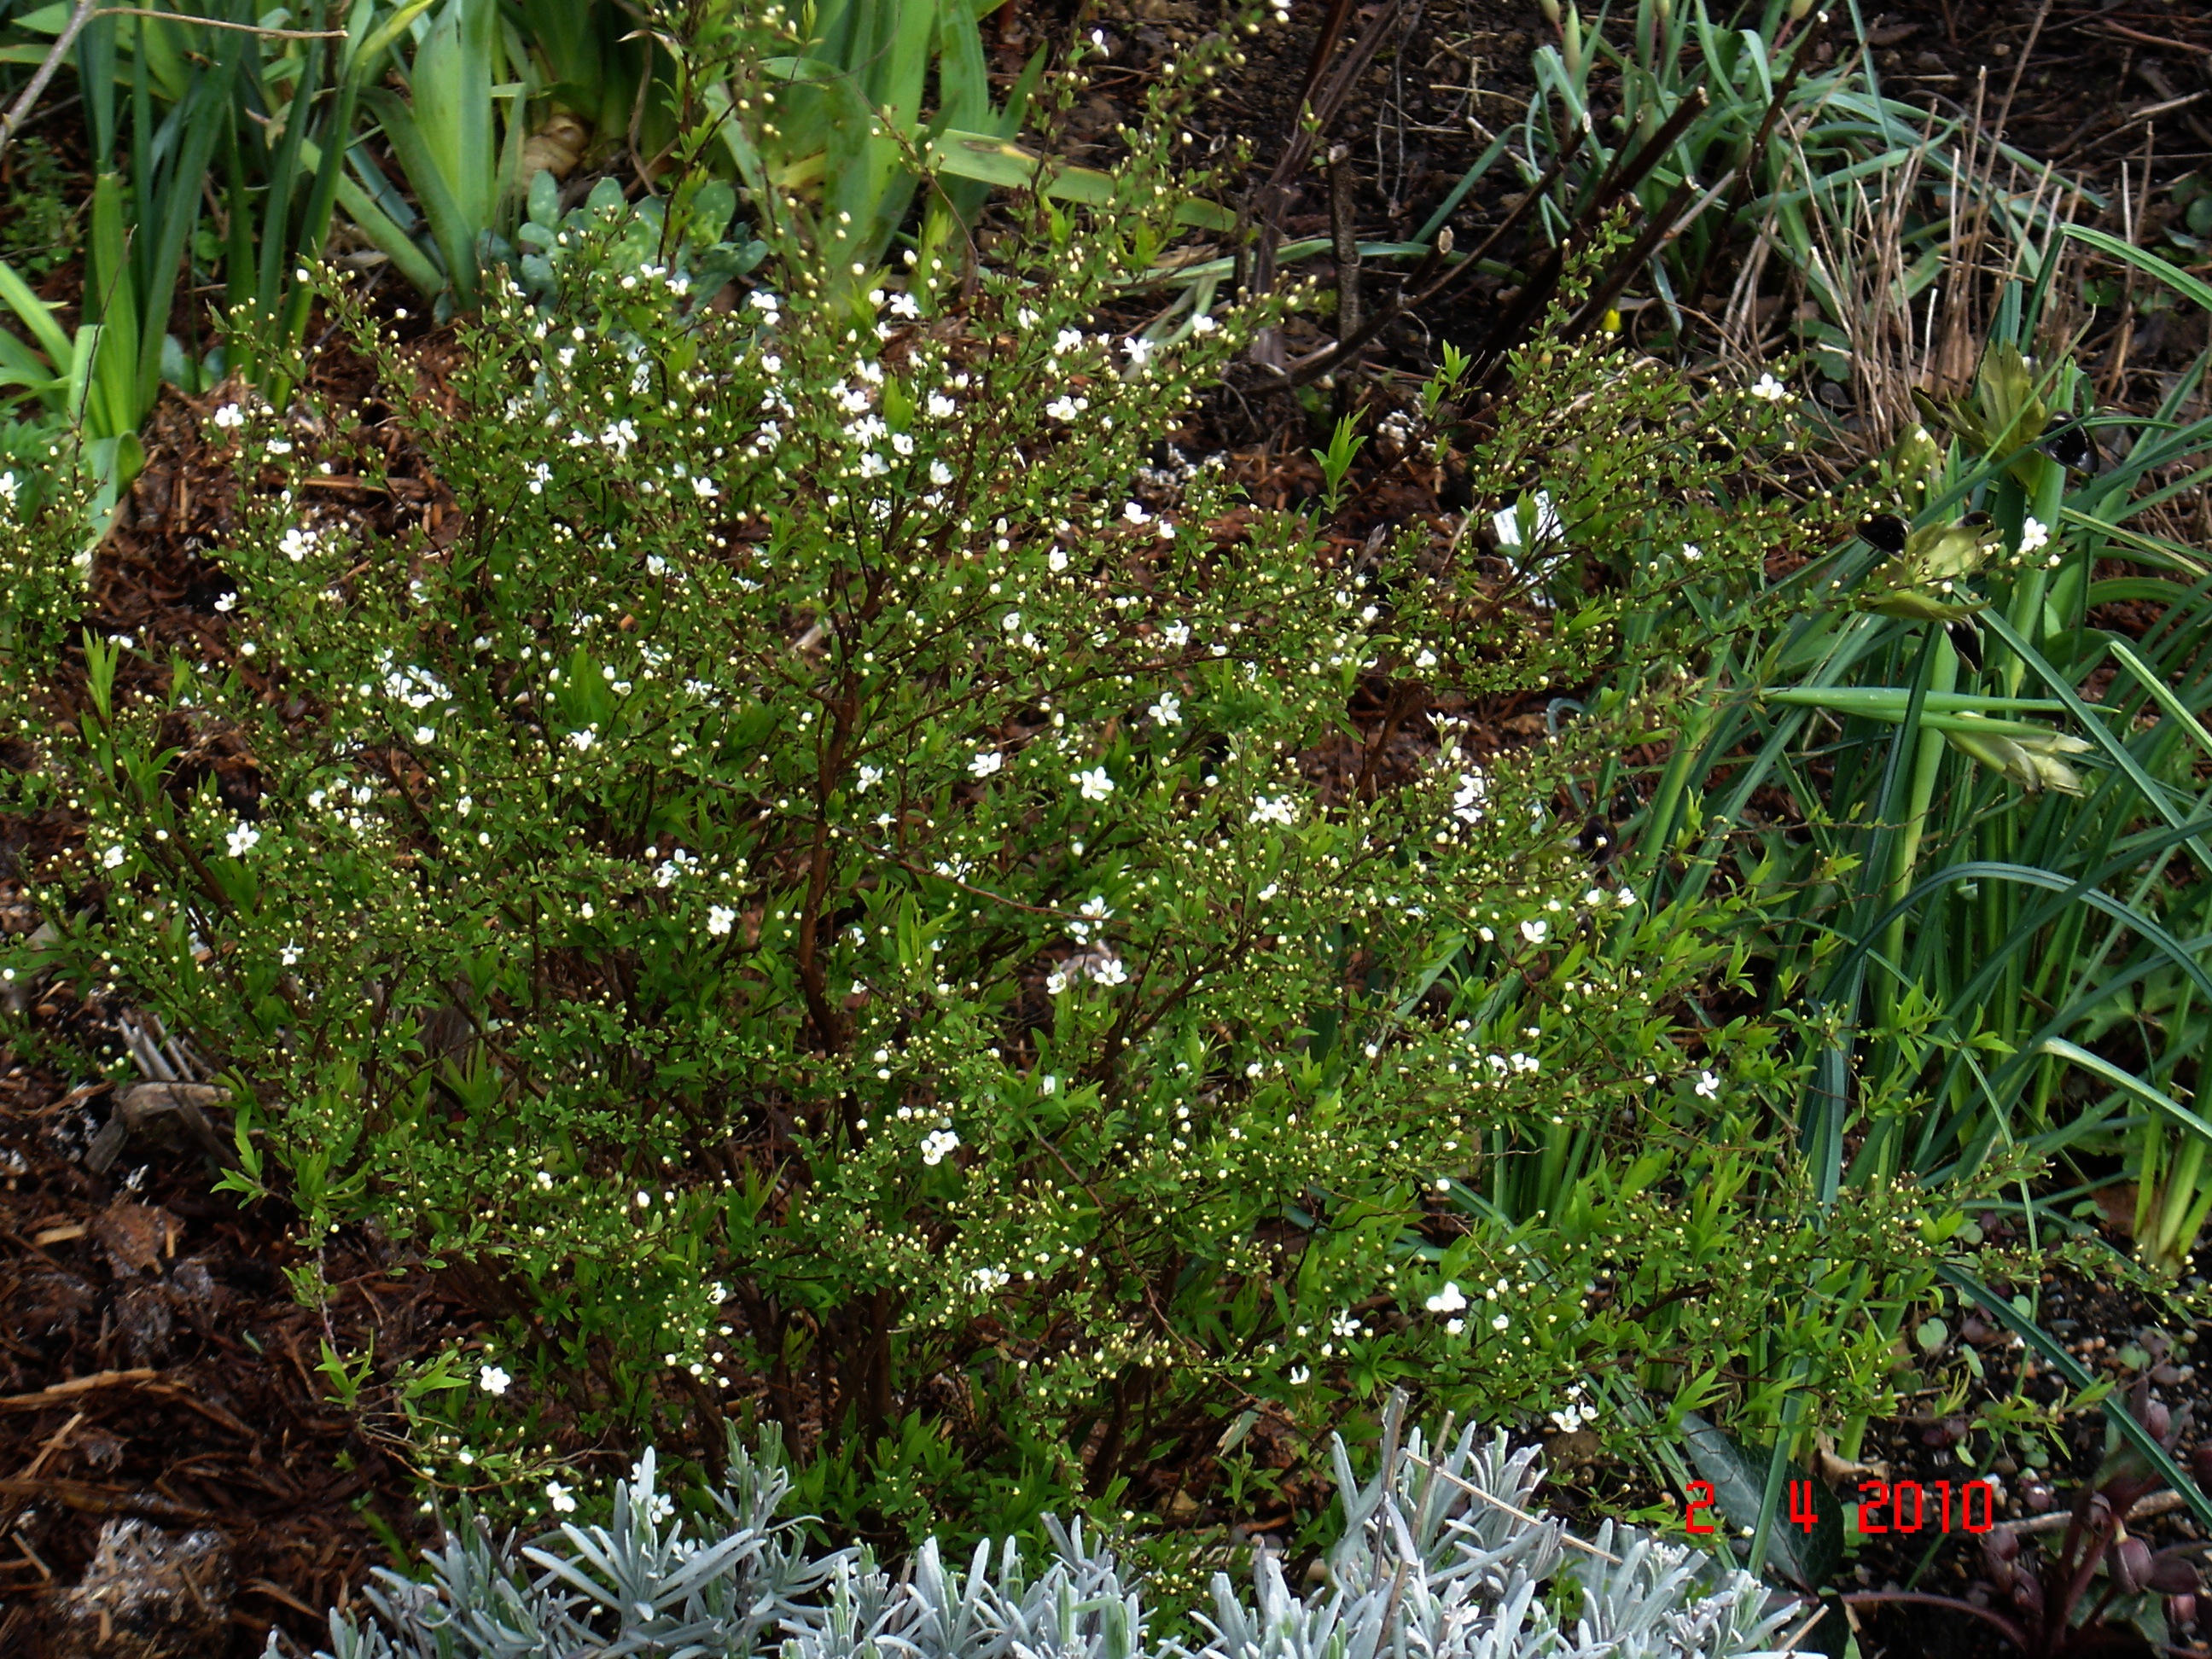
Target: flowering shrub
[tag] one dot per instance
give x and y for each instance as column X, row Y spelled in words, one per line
column 846, row 908
column 1439, row 1553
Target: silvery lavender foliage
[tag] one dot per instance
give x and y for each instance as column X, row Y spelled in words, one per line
column 1440, row 1558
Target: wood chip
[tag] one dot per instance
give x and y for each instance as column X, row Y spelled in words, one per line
column 59, row 1235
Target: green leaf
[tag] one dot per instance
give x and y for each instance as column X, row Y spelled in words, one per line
column 1002, row 163
column 2188, row 287
column 1806, row 1558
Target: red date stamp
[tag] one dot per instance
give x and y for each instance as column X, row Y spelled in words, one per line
column 1906, row 1506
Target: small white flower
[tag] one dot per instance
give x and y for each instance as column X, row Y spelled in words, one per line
column 230, row 417
column 493, row 1380
column 581, row 741
column 1167, row 711
column 936, row 1145
column 1094, row 783
column 1455, row 1326
column 939, row 474
column 1203, row 324
column 1450, row 1299
column 1109, row 972
column 241, row 840
column 228, row 602
column 425, row 733
column 1010, row 622
column 1178, row 635
column 1626, row 896
column 1055, row 982
column 296, row 543
column 904, row 305
column 2034, row 535
column 1535, row 931
column 1300, row 1376
column 870, row 777
column 1767, row 389
column 705, row 489
column 562, row 1500
column 112, row 857
column 1062, row 408
column 288, row 955
column 1709, row 1086
column 986, row 763
column 1500, row 1322
column 1283, row 809
column 719, row 918
column 1136, row 512
column 1691, row 552
column 466, row 804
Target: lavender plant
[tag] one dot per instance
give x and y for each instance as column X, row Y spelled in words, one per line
column 1439, row 1554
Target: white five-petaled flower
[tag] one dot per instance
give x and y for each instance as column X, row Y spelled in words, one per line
column 1769, row 390
column 1062, row 408
column 870, row 777
column 562, row 1500
column 242, row 839
column 296, row 543
column 2034, row 535
column 1176, row 633
column 1535, row 930
column 1709, row 1086
column 1283, row 809
column 937, row 1145
column 230, row 417
column 1691, row 552
column 1450, row 1299
column 1136, row 512
column 1167, row 711
column 904, row 304
column 114, row 856
column 1300, row 1376
column 1109, row 972
column 581, row 741
column 1095, row 784
column 1500, row 1322
column 227, row 603
column 492, row 1379
column 719, row 918
column 288, row 955
column 425, row 733
column 986, row 763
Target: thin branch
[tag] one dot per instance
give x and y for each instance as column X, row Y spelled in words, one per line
column 20, row 111
column 1496, row 1502
column 218, row 23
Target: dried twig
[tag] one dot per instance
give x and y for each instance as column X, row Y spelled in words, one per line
column 20, row 111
